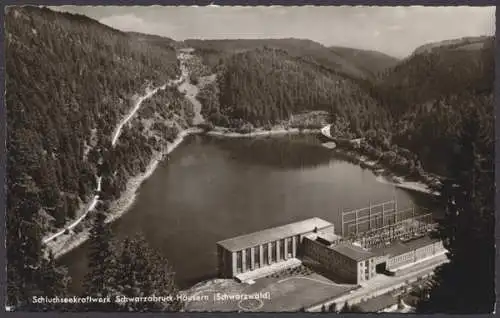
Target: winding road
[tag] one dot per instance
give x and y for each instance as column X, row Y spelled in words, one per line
column 92, row 204
column 131, row 114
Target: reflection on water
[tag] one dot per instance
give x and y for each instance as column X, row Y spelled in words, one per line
column 216, row 188
column 281, row 152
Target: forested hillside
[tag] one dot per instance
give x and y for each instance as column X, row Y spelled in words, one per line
column 416, row 104
column 431, row 94
column 468, row 228
column 441, row 104
column 334, row 59
column 446, row 70
column 372, row 63
column 162, row 41
column 69, row 81
column 264, row 86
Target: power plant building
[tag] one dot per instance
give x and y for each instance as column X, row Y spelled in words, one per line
column 355, row 264
column 350, row 262
column 256, row 250
column 399, row 254
column 258, row 254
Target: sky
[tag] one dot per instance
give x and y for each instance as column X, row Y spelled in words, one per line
column 396, row 31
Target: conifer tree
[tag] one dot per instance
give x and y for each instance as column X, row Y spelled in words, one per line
column 24, row 246
column 346, row 308
column 333, row 308
column 54, row 281
column 100, row 279
column 30, row 274
column 143, row 272
column 466, row 283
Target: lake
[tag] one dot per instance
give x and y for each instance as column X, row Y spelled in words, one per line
column 213, row 188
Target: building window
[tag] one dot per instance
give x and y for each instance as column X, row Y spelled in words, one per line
column 290, row 247
column 282, row 250
column 265, row 254
column 248, row 259
column 273, row 252
column 239, row 262
column 256, row 256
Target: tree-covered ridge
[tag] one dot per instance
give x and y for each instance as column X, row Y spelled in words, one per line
column 69, row 81
column 151, row 39
column 267, row 85
column 425, row 96
column 467, row 43
column 429, row 96
column 430, row 130
column 466, row 285
column 417, row 104
column 442, row 71
column 215, row 52
column 372, row 63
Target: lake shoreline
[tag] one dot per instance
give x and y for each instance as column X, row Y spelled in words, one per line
column 127, row 198
column 259, row 132
column 119, row 207
column 384, row 172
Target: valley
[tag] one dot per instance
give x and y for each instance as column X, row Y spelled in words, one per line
column 91, row 139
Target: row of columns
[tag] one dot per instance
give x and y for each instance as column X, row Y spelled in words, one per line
column 270, row 258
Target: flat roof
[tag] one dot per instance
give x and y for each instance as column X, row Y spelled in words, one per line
column 330, row 237
column 352, row 251
column 402, row 247
column 273, row 234
column 326, row 235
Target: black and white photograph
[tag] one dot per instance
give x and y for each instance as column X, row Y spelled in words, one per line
column 214, row 158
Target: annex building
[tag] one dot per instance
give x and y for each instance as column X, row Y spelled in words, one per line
column 356, row 264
